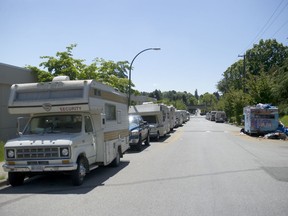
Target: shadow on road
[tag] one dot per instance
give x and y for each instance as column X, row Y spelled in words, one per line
column 62, row 184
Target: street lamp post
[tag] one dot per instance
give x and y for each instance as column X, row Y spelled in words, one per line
column 130, row 68
column 244, row 71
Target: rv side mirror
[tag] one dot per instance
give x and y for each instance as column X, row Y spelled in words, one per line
column 19, row 120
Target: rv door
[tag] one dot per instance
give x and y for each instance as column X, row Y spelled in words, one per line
column 91, row 139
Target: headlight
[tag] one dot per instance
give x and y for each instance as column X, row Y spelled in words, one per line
column 64, row 152
column 135, row 133
column 10, row 153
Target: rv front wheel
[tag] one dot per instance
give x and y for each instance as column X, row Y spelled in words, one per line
column 139, row 143
column 15, row 178
column 147, row 141
column 79, row 174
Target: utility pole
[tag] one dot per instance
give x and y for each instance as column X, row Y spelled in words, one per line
column 244, row 71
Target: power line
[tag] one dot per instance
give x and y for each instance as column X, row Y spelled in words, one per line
column 266, row 27
column 276, row 17
column 280, row 28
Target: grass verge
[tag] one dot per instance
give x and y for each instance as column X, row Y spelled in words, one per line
column 284, row 120
column 1, row 151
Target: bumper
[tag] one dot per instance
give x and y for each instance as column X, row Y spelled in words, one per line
column 40, row 168
column 133, row 140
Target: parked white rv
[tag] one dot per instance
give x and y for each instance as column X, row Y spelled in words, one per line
column 157, row 117
column 75, row 126
column 180, row 117
column 172, row 117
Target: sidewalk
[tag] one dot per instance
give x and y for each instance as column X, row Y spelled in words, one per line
column 3, row 174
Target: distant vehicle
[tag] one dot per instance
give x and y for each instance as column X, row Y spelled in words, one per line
column 208, row 115
column 139, row 131
column 212, row 115
column 179, row 118
column 220, row 116
column 157, row 117
column 172, row 117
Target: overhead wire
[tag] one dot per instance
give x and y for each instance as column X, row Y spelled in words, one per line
column 268, row 23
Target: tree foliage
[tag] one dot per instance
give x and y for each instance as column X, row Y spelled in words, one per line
column 108, row 72
column 264, row 79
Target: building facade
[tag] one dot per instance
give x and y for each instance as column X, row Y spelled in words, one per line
column 10, row 75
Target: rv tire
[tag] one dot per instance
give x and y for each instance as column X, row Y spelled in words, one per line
column 16, row 178
column 139, row 144
column 158, row 136
column 79, row 174
column 116, row 161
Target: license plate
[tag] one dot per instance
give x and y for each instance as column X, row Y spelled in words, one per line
column 36, row 168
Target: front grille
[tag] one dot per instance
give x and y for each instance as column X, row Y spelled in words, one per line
column 38, row 153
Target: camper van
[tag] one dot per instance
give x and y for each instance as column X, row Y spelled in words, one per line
column 157, row 117
column 74, row 127
column 172, row 117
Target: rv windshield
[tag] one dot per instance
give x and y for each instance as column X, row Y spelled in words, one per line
column 150, row 119
column 54, row 124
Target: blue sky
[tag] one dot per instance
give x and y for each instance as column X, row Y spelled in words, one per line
column 199, row 40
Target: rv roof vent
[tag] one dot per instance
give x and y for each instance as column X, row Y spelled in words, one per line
column 61, row 78
column 148, row 102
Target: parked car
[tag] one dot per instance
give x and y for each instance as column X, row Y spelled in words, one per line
column 212, row 115
column 139, row 131
column 220, row 116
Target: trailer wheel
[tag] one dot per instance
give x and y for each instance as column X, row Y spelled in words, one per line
column 79, row 174
column 15, row 178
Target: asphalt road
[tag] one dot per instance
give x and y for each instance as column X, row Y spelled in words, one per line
column 202, row 168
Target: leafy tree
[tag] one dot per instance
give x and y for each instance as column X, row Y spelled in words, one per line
column 107, row 72
column 265, row 56
column 63, row 63
column 179, row 104
column 260, row 87
column 156, row 94
column 233, row 78
column 193, row 101
column 234, row 102
column 209, row 100
column 196, row 94
column 265, row 80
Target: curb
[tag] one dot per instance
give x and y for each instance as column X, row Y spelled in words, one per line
column 4, row 181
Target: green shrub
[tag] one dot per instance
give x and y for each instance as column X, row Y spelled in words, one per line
column 1, row 151
column 284, row 120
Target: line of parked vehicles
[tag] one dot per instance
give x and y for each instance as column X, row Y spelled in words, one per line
column 75, row 126
column 153, row 121
column 217, row 116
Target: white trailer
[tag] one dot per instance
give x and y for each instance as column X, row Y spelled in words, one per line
column 157, row 117
column 179, row 117
column 172, row 117
column 75, row 126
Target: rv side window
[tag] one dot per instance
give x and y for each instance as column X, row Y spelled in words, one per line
column 119, row 117
column 88, row 125
column 110, row 112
